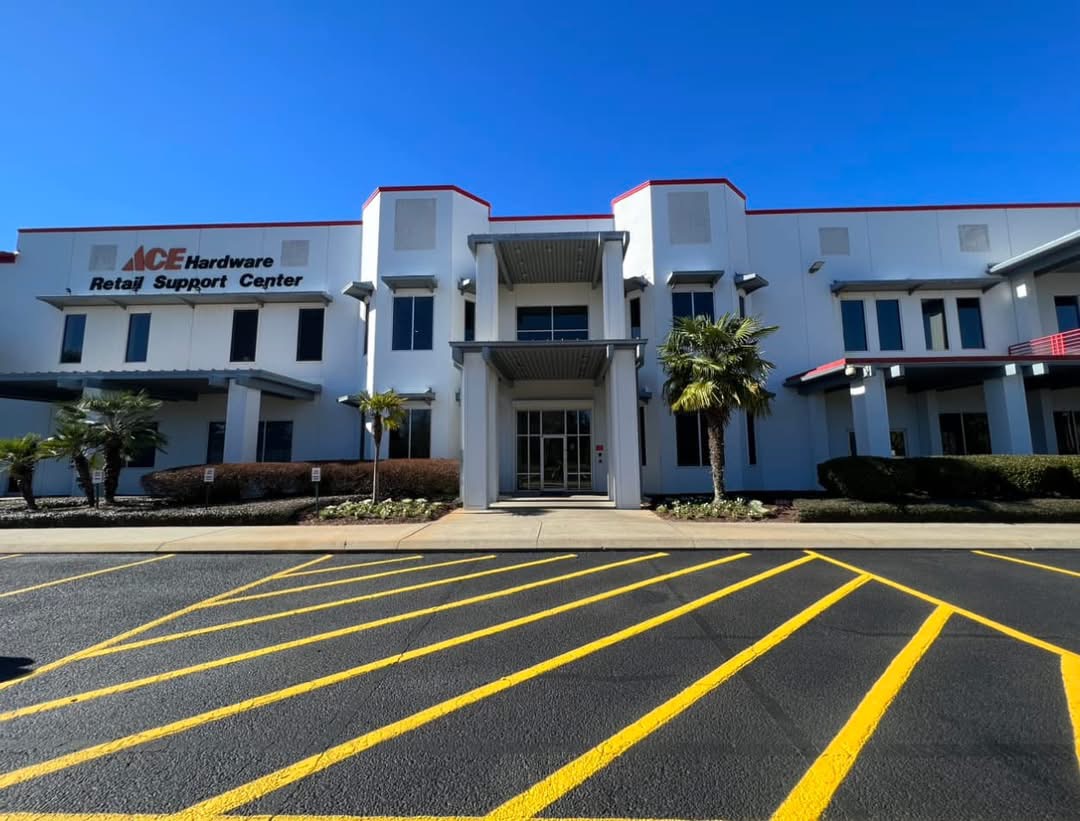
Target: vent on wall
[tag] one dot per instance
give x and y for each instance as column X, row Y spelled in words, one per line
column 294, row 252
column 834, row 241
column 974, row 238
column 414, row 224
column 102, row 257
column 688, row 217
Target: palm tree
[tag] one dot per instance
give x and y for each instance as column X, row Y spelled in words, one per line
column 387, row 412
column 715, row 368
column 76, row 441
column 19, row 456
column 122, row 424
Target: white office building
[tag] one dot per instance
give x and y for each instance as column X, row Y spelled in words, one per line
column 526, row 345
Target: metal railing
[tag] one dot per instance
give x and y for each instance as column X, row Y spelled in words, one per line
column 1061, row 344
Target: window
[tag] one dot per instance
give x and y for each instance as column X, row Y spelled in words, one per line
column 74, row 331
column 898, row 443
column 852, row 444
column 413, row 316
column 144, row 457
column 1067, row 426
column 309, row 334
column 1068, row 313
column 834, row 241
column 691, row 440
column 969, row 312
column 553, row 323
column 138, row 338
column 215, row 443
column 751, row 440
column 294, row 253
column 742, row 306
column 245, row 335
column 853, row 318
column 102, row 258
column 470, row 320
column 275, row 442
column 635, row 318
column 368, row 312
column 641, row 433
column 964, row 433
column 413, row 439
column 890, row 336
column 974, row 238
column 933, row 318
column 692, row 303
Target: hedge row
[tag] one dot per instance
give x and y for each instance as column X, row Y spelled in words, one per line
column 1029, row 510
column 275, row 512
column 427, row 478
column 873, row 478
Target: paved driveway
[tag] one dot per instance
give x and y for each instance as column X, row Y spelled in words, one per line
column 636, row 685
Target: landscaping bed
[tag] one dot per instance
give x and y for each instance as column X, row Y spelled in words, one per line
column 386, row 511
column 698, row 508
column 963, row 510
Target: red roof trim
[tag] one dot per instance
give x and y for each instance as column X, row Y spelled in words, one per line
column 394, row 188
column 701, row 181
column 541, row 217
column 879, row 208
column 7, row 256
column 840, row 364
column 192, row 226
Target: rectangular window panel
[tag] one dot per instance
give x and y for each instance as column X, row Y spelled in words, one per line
column 570, row 322
column 640, row 433
column 852, row 444
column 423, row 318
column 245, row 334
column 138, row 339
column 215, row 443
column 934, row 330
column 275, row 442
column 688, row 445
column 403, row 323
column 703, row 304
column 853, row 319
column 144, row 457
column 1065, row 425
column 976, row 433
column 969, row 313
column 898, row 443
column 470, row 320
column 420, row 434
column 742, row 306
column 368, row 312
column 952, row 434
column 74, row 331
column 635, row 318
column 751, row 440
column 309, row 334
column 1068, row 313
column 890, row 335
column 399, row 440
column 692, row 303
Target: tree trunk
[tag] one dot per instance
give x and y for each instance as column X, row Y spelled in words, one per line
column 84, row 478
column 376, row 434
column 25, row 481
column 114, row 462
column 714, row 425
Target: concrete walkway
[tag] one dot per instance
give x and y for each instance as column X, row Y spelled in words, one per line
column 538, row 528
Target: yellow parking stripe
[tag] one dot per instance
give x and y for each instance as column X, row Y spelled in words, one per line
column 314, row 608
column 127, row 686
column 960, row 611
column 85, row 575
column 67, row 816
column 340, row 567
column 10, row 556
column 177, row 727
column 570, row 776
column 1070, row 676
column 1049, row 567
column 246, row 793
column 142, row 628
column 336, row 582
column 816, row 788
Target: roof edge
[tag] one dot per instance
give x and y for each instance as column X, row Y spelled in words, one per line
column 855, row 209
column 688, row 181
column 192, row 226
column 390, row 189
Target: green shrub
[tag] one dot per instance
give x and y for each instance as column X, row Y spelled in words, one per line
column 431, row 478
column 738, row 509
column 385, row 509
column 276, row 512
column 875, row 478
column 1014, row 511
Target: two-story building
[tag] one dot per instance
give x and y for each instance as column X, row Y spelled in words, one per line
column 526, row 345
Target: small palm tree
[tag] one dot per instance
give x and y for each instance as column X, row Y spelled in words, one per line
column 387, row 412
column 122, row 424
column 715, row 368
column 76, row 441
column 18, row 457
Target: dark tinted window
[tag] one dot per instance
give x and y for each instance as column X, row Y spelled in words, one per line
column 215, row 443
column 641, row 433
column 692, row 303
column 890, row 336
column 542, row 323
column 934, row 330
column 74, row 331
column 971, row 327
column 423, row 318
column 413, row 316
column 470, row 320
column 245, row 334
column 275, row 442
column 403, row 310
column 309, row 334
column 635, row 318
column 751, row 440
column 368, row 311
column 412, row 440
column 964, row 433
column 853, row 318
column 143, row 457
column 1067, row 427
column 742, row 305
column 691, row 440
column 138, row 340
column 1068, row 313
column 570, row 322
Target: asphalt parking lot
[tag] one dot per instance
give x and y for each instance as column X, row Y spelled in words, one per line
column 637, row 685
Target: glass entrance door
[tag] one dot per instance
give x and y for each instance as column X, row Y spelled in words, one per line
column 554, row 463
column 554, row 450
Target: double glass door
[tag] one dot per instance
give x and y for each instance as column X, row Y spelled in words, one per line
column 554, row 450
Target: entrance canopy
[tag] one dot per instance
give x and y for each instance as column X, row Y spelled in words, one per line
column 61, row 386
column 571, row 359
column 547, row 258
column 1061, row 254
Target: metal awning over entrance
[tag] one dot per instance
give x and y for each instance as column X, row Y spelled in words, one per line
column 548, row 258
column 1061, row 254
column 910, row 286
column 61, row 386
column 513, row 361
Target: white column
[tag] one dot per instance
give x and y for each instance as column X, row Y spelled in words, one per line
column 493, row 438
column 475, row 437
column 614, row 298
column 1006, row 408
column 487, row 293
column 926, row 405
column 242, row 423
column 1026, row 302
column 817, row 418
column 624, row 467
column 870, row 413
column 1044, row 401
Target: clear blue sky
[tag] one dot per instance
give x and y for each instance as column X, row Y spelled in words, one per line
column 143, row 112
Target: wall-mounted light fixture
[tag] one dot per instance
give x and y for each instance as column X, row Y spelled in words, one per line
column 815, row 266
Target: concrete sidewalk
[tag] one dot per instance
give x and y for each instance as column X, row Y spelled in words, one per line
column 538, row 529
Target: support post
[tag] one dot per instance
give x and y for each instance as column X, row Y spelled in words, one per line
column 242, row 423
column 1006, row 409
column 614, row 299
column 870, row 414
column 624, row 467
column 475, row 436
column 487, row 293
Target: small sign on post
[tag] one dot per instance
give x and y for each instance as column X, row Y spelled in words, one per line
column 97, row 478
column 208, row 476
column 316, row 477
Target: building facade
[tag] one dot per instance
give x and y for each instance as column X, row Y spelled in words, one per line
column 526, row 346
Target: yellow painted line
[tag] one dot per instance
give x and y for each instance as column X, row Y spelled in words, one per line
column 339, row 568
column 10, row 556
column 566, row 778
column 1070, row 676
column 142, row 628
column 85, row 575
column 314, row 608
column 336, row 582
column 251, row 791
column 1011, row 632
column 816, row 788
column 177, row 727
column 1049, row 567
column 68, row 816
column 134, row 684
